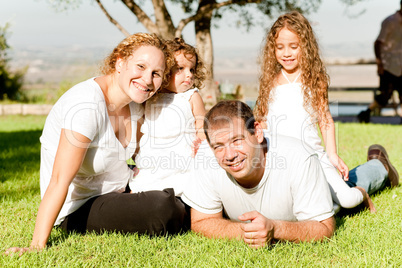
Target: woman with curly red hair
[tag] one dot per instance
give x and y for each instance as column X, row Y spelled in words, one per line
column 89, row 134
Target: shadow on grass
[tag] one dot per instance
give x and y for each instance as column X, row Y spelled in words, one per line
column 19, row 154
column 352, row 212
column 59, row 236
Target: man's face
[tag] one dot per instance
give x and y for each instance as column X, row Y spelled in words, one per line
column 238, row 152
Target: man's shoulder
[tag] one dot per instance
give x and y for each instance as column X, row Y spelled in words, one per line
column 393, row 18
column 289, row 146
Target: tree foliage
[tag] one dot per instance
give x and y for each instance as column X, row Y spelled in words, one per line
column 205, row 14
column 10, row 82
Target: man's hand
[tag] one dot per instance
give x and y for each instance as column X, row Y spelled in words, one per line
column 259, row 231
column 380, row 67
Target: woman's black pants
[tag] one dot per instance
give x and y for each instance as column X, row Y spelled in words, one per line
column 152, row 213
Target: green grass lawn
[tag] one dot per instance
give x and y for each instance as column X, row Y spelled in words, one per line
column 361, row 240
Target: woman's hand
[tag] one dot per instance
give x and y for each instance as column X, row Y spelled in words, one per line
column 340, row 166
column 20, row 251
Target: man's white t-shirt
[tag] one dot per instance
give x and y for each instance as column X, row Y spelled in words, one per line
column 293, row 187
column 104, row 169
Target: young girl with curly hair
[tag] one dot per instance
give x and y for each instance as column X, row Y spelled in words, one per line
column 293, row 98
column 173, row 123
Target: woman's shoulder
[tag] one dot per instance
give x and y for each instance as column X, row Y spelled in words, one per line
column 87, row 90
column 87, row 94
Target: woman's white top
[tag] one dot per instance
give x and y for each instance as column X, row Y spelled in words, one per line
column 104, row 169
column 287, row 116
column 164, row 159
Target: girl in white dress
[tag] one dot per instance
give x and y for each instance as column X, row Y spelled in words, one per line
column 293, row 98
column 173, row 122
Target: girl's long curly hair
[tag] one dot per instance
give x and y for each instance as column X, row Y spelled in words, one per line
column 314, row 77
column 178, row 45
column 129, row 45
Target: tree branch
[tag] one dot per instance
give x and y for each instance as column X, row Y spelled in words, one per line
column 202, row 10
column 184, row 22
column 142, row 16
column 124, row 31
column 236, row 2
column 163, row 19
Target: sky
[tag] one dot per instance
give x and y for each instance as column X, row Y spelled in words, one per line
column 34, row 23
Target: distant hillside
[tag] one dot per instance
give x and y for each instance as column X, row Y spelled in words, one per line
column 234, row 65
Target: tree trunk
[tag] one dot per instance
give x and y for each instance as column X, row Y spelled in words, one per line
column 163, row 20
column 204, row 45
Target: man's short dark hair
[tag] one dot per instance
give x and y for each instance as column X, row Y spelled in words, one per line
column 225, row 111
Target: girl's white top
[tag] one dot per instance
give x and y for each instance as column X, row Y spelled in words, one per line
column 164, row 159
column 104, row 169
column 287, row 116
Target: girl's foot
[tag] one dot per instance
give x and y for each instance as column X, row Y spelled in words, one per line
column 368, row 203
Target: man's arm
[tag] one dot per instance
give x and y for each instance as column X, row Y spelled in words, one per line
column 259, row 231
column 386, row 28
column 377, row 52
column 308, row 231
column 215, row 226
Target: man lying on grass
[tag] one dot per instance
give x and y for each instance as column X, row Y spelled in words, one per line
column 267, row 189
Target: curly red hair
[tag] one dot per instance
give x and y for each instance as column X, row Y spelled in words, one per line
column 178, row 45
column 314, row 77
column 129, row 45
